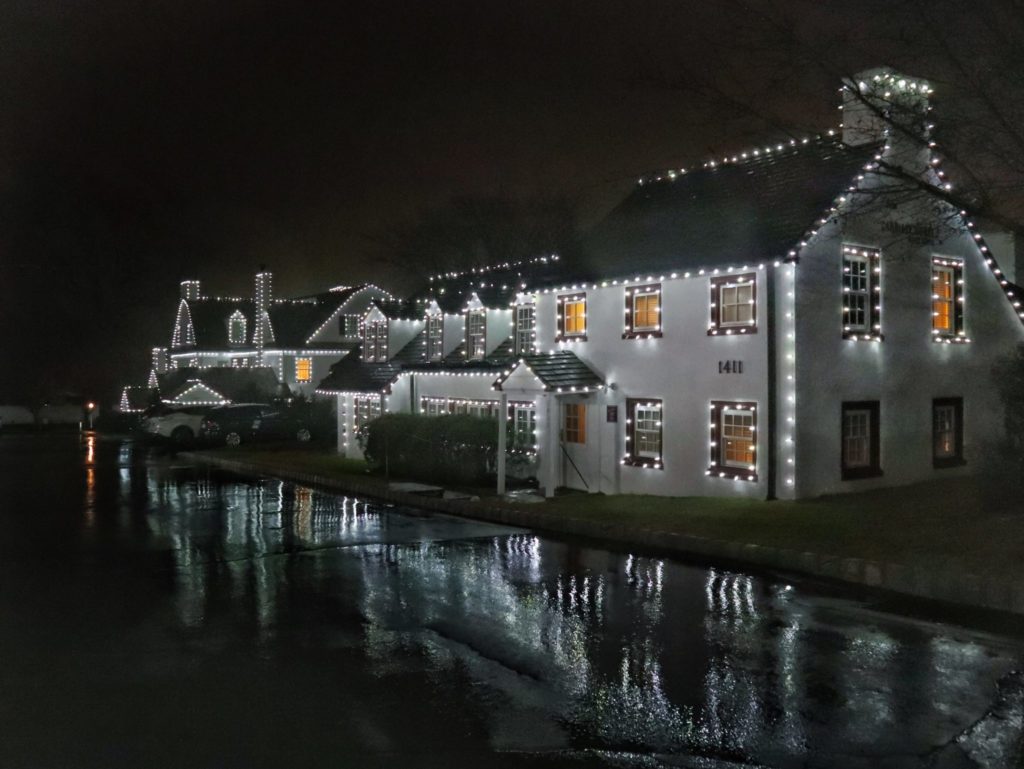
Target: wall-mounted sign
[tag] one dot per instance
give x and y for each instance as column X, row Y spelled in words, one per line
column 613, row 414
column 730, row 367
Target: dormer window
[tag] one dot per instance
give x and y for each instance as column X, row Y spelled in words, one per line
column 375, row 341
column 435, row 337
column 237, row 328
column 526, row 324
column 476, row 334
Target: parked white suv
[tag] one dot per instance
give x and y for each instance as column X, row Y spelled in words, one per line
column 180, row 426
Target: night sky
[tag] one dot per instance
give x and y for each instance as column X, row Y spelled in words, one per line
column 142, row 144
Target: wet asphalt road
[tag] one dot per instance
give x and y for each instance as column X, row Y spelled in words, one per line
column 153, row 614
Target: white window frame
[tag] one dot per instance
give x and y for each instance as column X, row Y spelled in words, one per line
column 633, row 311
column 524, row 427
column 476, row 339
column 860, row 439
column 526, row 325
column 647, row 429
column 852, row 295
column 726, row 435
column 435, row 337
column 722, row 289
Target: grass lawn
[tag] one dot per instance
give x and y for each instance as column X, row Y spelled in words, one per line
column 947, row 524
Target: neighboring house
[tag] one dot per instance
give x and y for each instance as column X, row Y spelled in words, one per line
column 296, row 339
column 785, row 322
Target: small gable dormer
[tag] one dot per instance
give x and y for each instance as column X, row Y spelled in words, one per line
column 184, row 334
column 374, row 333
column 238, row 327
column 434, row 321
column 486, row 327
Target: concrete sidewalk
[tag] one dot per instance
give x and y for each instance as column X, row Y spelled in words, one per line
column 961, row 588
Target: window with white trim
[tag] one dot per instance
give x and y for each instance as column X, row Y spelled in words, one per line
column 733, row 304
column 375, row 342
column 524, row 426
column 476, row 334
column 643, row 433
column 643, row 312
column 733, row 440
column 860, row 454
column 435, row 337
column 862, row 294
column 947, row 299
column 526, row 324
column 366, row 409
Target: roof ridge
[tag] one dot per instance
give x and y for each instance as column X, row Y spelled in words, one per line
column 737, row 158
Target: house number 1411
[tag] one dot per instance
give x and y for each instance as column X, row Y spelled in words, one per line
column 730, row 367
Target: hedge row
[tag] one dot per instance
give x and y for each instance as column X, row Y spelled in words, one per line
column 454, row 449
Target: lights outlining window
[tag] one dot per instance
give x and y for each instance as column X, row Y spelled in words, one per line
column 476, row 334
column 435, row 336
column 524, row 426
column 733, row 305
column 441, row 406
column 237, row 328
column 303, row 370
column 643, row 433
column 947, row 432
column 375, row 341
column 733, row 441
column 366, row 409
column 348, row 326
column 572, row 318
column 575, row 423
column 526, row 329
column 643, row 312
column 860, row 451
column 862, row 294
column 948, row 300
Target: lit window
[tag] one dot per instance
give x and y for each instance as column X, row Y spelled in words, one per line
column 303, row 369
column 733, row 305
column 947, row 298
column 435, row 337
column 860, row 440
column 526, row 320
column 572, row 317
column 734, row 440
column 575, row 423
column 643, row 432
column 862, row 298
column 643, row 311
column 947, row 432
column 476, row 334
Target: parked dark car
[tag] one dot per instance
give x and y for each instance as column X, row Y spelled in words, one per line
column 242, row 423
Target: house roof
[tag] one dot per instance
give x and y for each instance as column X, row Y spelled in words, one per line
column 726, row 214
column 210, row 321
column 558, row 371
column 248, row 384
column 352, row 374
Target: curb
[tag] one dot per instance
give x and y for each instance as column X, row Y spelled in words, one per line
column 962, row 589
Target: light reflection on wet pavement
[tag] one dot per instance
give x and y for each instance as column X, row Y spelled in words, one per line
column 159, row 615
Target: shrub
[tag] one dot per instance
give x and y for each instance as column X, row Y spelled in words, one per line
column 455, row 449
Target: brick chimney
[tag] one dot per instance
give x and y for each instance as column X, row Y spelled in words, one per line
column 880, row 104
column 190, row 290
column 263, row 299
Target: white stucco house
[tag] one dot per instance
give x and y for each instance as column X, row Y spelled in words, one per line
column 225, row 348
column 787, row 321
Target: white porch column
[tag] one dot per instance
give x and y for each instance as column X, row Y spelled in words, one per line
column 551, row 443
column 502, row 440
